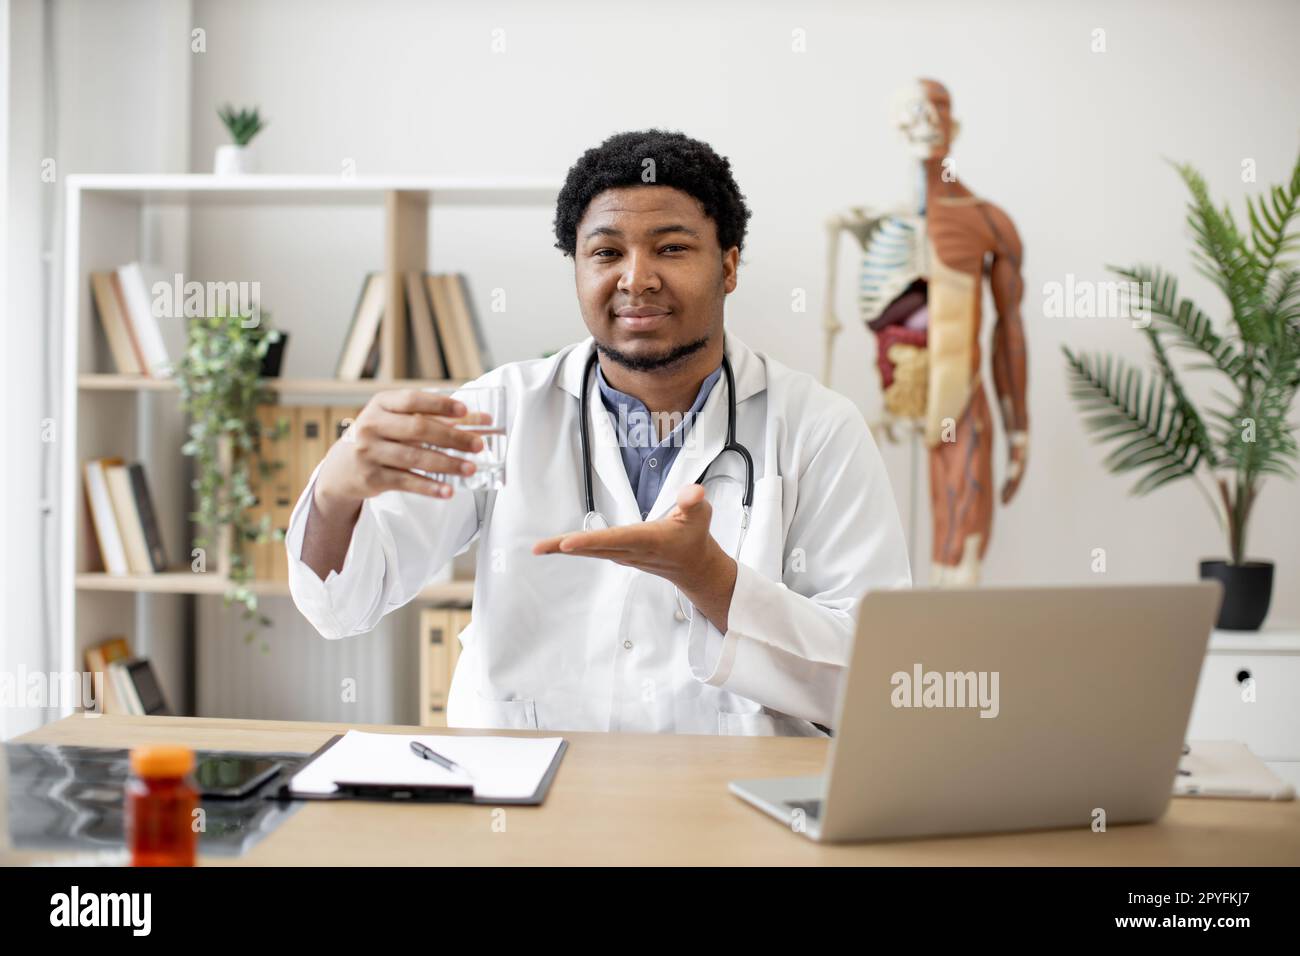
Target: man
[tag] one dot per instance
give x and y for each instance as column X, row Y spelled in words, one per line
column 691, row 613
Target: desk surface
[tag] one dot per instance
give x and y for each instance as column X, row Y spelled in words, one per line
column 651, row 799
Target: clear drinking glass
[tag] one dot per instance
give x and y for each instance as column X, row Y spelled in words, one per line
column 485, row 416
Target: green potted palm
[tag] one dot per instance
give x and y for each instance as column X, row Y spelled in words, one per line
column 1228, row 450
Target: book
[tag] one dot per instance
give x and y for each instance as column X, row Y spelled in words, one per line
column 138, row 688
column 148, row 333
column 129, row 524
column 130, row 326
column 455, row 342
column 428, row 351
column 112, row 550
column 363, row 333
column 467, row 319
column 148, row 517
column 98, row 659
column 113, row 320
column 371, row 368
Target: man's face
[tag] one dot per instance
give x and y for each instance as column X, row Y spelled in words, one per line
column 650, row 275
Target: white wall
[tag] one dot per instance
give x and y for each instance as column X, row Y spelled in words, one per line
column 23, row 646
column 108, row 93
column 1068, row 141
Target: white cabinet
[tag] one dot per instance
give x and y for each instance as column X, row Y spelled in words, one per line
column 1250, row 691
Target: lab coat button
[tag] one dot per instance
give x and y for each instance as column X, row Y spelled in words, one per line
column 679, row 615
column 627, row 645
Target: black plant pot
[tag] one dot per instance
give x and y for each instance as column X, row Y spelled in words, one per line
column 274, row 357
column 1247, row 590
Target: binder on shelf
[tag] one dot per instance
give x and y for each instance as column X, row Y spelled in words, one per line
column 253, row 551
column 435, row 667
column 313, row 443
column 286, row 452
column 274, row 492
column 440, row 630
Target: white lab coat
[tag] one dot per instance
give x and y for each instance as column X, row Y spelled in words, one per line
column 571, row 643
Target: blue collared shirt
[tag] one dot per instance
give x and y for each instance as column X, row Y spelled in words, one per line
column 645, row 458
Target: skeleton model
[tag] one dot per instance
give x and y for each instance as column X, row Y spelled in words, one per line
column 920, row 292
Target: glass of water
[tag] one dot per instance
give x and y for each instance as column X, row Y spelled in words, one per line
column 485, row 416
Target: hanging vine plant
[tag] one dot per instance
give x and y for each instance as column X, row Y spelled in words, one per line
column 221, row 387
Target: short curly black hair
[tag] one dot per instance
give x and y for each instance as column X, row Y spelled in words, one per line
column 679, row 161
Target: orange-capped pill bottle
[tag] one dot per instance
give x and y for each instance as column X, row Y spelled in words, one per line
column 160, row 802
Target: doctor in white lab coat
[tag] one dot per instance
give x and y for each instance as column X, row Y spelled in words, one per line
column 659, row 623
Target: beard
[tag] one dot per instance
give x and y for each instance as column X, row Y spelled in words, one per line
column 652, row 363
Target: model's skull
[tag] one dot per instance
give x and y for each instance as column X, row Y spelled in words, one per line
column 920, row 111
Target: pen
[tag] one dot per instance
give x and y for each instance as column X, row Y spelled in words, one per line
column 427, row 754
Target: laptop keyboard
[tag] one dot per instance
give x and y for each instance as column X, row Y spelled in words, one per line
column 811, row 808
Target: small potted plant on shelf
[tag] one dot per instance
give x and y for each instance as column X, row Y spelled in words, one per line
column 1229, row 450
column 238, row 157
column 221, row 387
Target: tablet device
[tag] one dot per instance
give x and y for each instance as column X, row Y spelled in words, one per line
column 230, row 778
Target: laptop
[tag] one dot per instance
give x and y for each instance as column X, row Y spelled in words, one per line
column 984, row 710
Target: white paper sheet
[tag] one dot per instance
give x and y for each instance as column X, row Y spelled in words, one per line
column 500, row 768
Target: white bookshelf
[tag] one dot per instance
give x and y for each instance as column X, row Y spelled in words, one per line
column 112, row 219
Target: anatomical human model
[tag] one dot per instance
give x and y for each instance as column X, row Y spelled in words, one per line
column 920, row 292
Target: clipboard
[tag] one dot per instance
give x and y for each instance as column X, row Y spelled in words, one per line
column 408, row 793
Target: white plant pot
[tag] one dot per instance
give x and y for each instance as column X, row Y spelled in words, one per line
column 232, row 160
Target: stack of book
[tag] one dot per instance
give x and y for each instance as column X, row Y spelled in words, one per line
column 134, row 335
column 294, row 440
column 444, row 330
column 122, row 513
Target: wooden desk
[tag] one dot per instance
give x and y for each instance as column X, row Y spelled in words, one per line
column 648, row 799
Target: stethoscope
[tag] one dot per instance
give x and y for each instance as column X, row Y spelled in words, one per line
column 595, row 521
